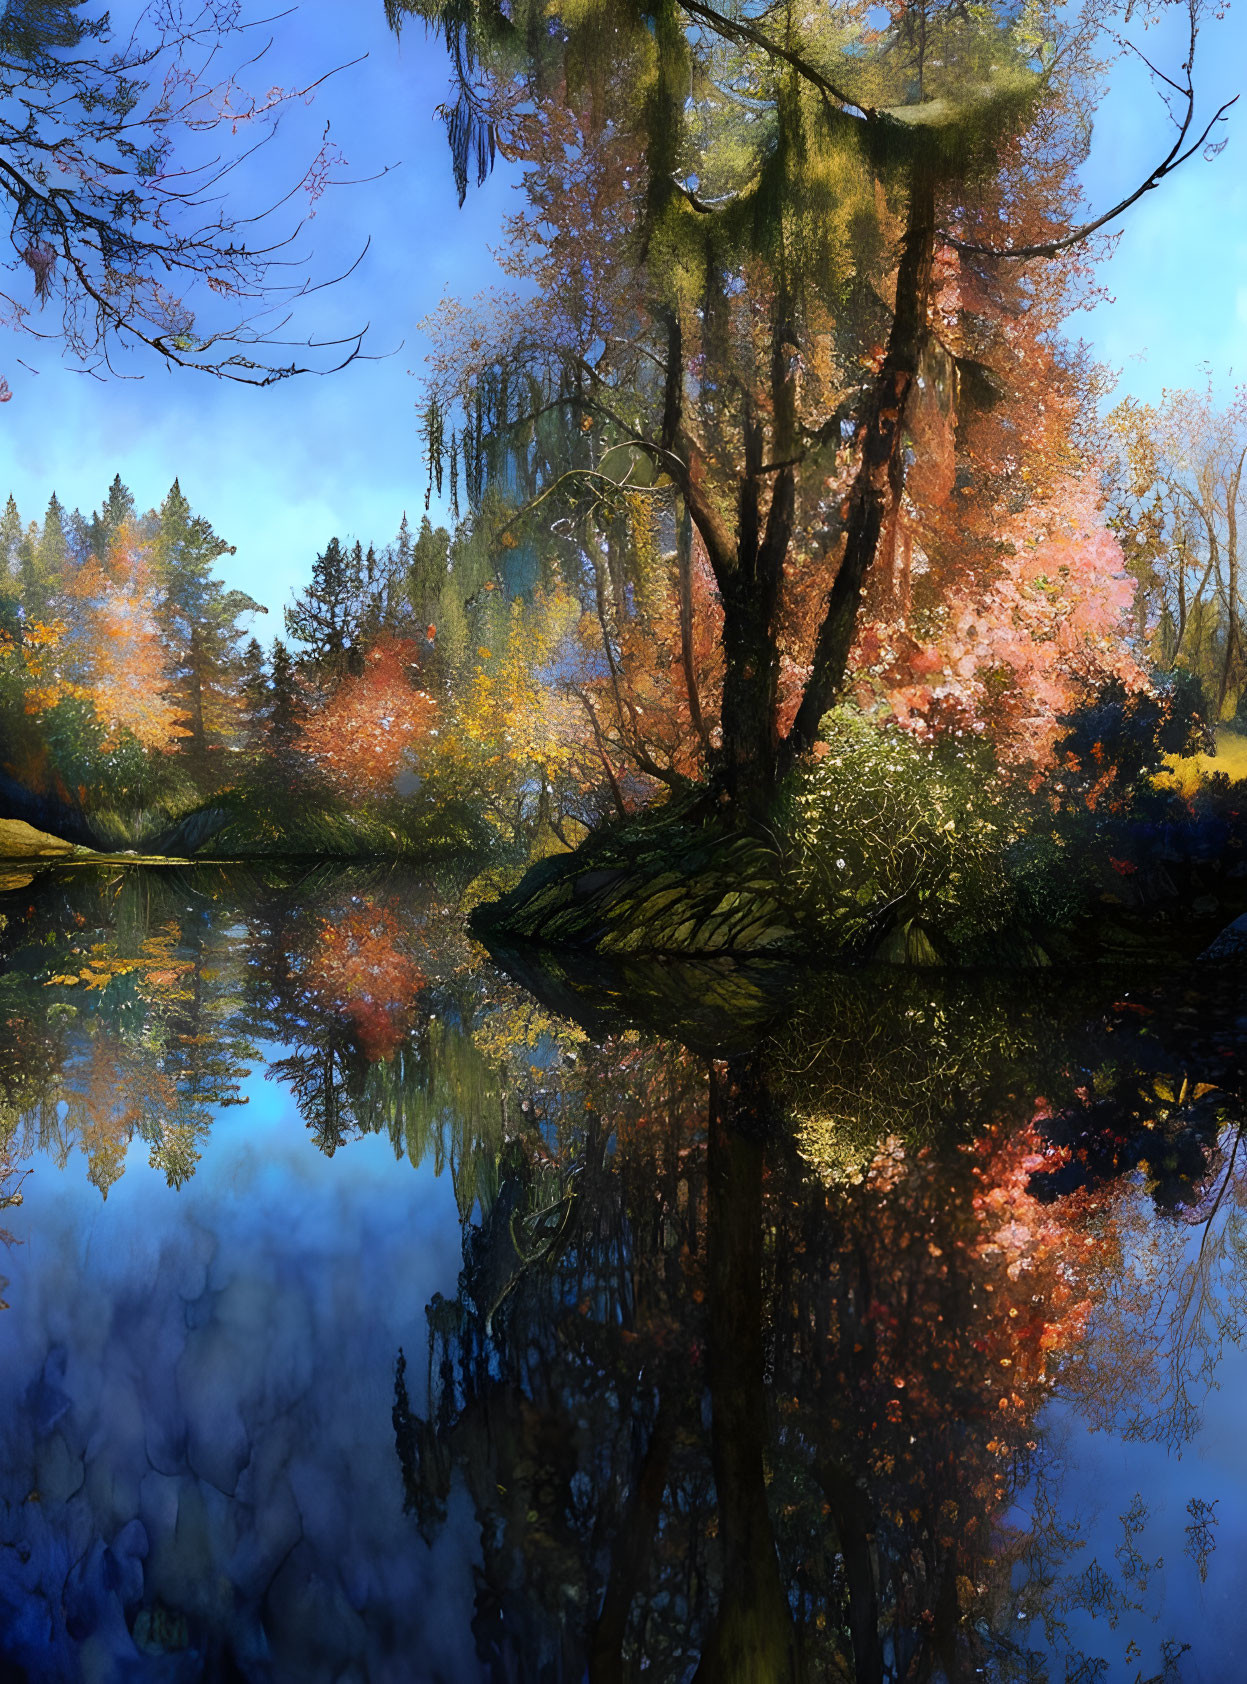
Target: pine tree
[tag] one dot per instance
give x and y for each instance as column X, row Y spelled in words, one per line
column 199, row 622
column 376, row 615
column 79, row 536
column 118, row 507
column 326, row 617
column 402, row 548
column 41, row 561
column 256, row 695
column 11, row 535
column 286, row 711
column 50, row 560
column 34, row 598
column 426, row 567
column 364, row 627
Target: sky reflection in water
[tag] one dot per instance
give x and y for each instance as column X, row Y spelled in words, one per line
column 197, row 1384
column 664, row 1343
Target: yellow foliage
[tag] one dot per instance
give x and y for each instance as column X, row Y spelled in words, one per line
column 39, row 656
column 1186, row 773
column 516, row 726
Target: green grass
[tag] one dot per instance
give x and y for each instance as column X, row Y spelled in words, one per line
column 262, row 823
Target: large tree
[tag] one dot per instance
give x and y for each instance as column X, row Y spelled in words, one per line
column 785, row 258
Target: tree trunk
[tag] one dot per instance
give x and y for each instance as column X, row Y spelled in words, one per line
column 750, row 692
column 195, row 696
column 751, row 590
column 752, row 1640
column 879, row 481
column 1231, row 616
column 854, row 1523
column 630, row 1550
column 684, row 566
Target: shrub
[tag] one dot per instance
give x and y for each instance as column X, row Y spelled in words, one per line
column 925, row 844
column 1129, row 733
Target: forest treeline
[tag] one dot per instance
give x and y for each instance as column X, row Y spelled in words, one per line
column 476, row 676
column 134, row 685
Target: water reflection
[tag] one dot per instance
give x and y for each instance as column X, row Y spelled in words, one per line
column 742, row 1414
column 133, row 1009
column 785, row 1304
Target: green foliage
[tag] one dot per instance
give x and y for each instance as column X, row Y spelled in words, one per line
column 423, row 565
column 272, row 818
column 122, row 829
column 82, row 757
column 889, row 837
column 873, row 1054
column 116, row 509
column 454, row 637
column 325, row 617
column 750, row 136
column 44, row 562
column 199, row 624
column 285, row 704
column 10, row 540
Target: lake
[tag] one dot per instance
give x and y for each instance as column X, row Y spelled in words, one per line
column 380, row 1309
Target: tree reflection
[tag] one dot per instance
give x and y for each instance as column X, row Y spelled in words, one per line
column 730, row 1410
column 133, row 1004
column 759, row 1314
column 121, row 1007
column 1174, row 1299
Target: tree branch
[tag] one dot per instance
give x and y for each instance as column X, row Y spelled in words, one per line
column 1177, row 155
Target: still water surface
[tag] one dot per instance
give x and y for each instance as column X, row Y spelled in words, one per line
column 377, row 1311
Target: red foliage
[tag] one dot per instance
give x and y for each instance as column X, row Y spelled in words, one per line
column 1011, row 650
column 362, row 970
column 366, row 733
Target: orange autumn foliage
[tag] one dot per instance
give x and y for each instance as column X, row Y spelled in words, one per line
column 113, row 1094
column 366, row 733
column 362, row 970
column 119, row 655
column 1015, row 645
column 643, row 711
column 37, row 663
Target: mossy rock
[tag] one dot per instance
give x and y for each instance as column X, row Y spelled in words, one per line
column 21, row 841
column 651, row 887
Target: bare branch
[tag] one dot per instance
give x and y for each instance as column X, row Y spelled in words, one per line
column 1177, row 155
column 124, row 233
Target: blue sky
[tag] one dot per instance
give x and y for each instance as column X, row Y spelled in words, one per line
column 278, row 471
column 1178, row 277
